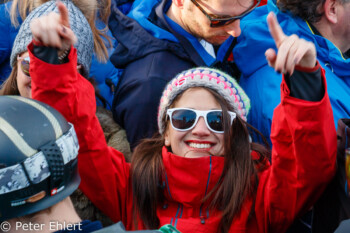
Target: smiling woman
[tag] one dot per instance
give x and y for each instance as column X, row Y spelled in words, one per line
column 190, row 135
column 205, row 92
column 201, row 172
column 193, row 136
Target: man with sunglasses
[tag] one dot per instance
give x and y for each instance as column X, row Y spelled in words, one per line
column 159, row 39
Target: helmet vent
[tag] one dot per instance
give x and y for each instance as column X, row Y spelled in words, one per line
column 56, row 164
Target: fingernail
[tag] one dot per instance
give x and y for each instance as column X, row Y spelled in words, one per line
column 296, row 60
column 64, row 29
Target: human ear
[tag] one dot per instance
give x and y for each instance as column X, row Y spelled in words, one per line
column 166, row 139
column 331, row 10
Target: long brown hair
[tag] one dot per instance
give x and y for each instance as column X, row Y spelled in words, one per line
column 87, row 7
column 9, row 87
column 237, row 182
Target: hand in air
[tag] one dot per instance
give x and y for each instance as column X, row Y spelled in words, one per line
column 292, row 50
column 53, row 30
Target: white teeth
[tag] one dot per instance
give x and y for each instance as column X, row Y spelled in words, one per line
column 199, row 145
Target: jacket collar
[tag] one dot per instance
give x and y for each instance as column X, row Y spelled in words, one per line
column 160, row 11
column 188, row 180
column 190, row 43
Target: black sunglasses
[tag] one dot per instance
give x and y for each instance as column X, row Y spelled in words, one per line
column 184, row 119
column 217, row 21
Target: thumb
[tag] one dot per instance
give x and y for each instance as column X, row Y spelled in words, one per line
column 64, row 16
column 271, row 57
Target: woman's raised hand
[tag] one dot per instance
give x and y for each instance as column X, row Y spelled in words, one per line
column 292, row 50
column 53, row 30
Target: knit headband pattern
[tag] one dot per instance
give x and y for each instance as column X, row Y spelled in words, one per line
column 78, row 23
column 218, row 81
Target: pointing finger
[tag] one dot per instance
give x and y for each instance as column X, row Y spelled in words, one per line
column 275, row 29
column 64, row 16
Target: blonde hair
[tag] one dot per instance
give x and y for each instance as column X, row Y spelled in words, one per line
column 89, row 8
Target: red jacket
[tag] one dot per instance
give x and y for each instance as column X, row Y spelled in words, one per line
column 263, row 2
column 303, row 160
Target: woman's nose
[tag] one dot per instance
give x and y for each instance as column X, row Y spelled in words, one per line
column 201, row 129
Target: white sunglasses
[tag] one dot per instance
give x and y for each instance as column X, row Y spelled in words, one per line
column 184, row 119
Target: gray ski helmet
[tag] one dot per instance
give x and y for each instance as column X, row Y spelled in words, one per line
column 38, row 157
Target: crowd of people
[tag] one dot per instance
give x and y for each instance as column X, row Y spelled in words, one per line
column 175, row 116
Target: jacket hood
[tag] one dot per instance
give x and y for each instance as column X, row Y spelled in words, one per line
column 189, row 180
column 137, row 36
column 256, row 38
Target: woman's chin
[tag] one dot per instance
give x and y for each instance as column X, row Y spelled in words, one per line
column 26, row 92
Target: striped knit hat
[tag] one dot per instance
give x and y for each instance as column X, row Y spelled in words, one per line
column 218, row 81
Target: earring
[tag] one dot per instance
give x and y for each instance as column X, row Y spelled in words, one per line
column 166, row 142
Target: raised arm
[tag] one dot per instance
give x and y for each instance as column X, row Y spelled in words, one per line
column 303, row 134
column 103, row 170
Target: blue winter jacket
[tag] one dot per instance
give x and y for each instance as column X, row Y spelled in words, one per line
column 8, row 34
column 262, row 83
column 152, row 49
column 105, row 74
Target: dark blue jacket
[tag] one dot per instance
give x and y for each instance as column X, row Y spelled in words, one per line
column 84, row 226
column 152, row 49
